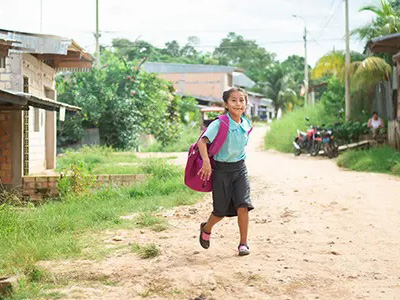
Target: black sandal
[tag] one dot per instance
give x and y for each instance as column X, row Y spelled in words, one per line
column 204, row 237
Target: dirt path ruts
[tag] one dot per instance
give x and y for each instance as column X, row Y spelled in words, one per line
column 317, row 232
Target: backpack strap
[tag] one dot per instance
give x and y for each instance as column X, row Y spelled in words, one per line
column 220, row 138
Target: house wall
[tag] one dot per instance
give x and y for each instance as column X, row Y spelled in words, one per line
column 207, row 85
column 41, row 80
column 40, row 187
column 253, row 102
column 398, row 89
column 5, row 147
column 5, row 75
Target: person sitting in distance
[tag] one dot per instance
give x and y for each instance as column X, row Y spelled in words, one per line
column 375, row 123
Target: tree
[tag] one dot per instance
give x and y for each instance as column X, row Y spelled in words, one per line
column 122, row 101
column 278, row 86
column 172, row 49
column 387, row 20
column 294, row 66
column 332, row 64
column 364, row 71
column 234, row 50
column 128, row 50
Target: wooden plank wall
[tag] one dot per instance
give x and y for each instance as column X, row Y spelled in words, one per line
column 394, row 133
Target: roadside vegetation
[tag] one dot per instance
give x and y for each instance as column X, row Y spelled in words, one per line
column 187, row 137
column 381, row 160
column 61, row 228
column 283, row 131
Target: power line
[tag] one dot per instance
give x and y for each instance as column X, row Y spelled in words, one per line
column 327, row 15
column 330, row 19
column 244, row 46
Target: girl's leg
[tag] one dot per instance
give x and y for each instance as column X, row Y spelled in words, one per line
column 212, row 220
column 243, row 222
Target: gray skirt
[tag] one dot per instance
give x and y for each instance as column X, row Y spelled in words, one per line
column 231, row 188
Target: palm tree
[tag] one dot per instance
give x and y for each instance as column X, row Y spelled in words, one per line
column 364, row 71
column 387, row 20
column 279, row 87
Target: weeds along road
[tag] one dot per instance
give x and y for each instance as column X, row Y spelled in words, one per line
column 317, row 232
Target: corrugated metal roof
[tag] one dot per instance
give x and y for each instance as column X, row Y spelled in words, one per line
column 388, row 43
column 240, row 79
column 37, row 43
column 31, row 100
column 167, row 68
column 267, row 102
column 255, row 94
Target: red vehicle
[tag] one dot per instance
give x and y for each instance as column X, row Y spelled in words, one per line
column 309, row 141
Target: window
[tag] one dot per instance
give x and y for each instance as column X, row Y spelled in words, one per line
column 26, row 84
column 2, row 61
column 36, row 119
column 230, row 80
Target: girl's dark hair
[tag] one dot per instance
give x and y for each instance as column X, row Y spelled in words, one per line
column 373, row 113
column 227, row 93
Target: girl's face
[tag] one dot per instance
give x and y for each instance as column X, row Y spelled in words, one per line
column 236, row 104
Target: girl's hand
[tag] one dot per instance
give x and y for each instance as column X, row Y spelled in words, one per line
column 205, row 171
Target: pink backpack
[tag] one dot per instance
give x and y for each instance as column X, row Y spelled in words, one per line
column 194, row 162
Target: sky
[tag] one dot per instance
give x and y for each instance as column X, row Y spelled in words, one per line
column 269, row 22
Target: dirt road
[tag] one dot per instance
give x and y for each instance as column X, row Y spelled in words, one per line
column 317, row 232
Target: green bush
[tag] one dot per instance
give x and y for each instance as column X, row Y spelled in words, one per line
column 349, row 131
column 380, row 159
column 333, row 99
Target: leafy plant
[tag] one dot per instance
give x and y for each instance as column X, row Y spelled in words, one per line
column 349, row 131
column 75, row 179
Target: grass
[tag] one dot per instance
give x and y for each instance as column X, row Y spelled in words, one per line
column 283, row 131
column 189, row 136
column 380, row 160
column 100, row 160
column 59, row 229
column 150, row 220
column 146, row 251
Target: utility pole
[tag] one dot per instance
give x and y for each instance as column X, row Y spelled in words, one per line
column 305, row 65
column 305, row 60
column 347, row 75
column 41, row 16
column 97, row 35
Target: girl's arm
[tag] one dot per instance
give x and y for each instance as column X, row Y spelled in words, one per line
column 205, row 171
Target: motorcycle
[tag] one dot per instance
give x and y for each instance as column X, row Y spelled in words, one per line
column 309, row 141
column 330, row 147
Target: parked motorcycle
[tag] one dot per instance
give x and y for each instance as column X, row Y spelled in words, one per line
column 309, row 141
column 329, row 145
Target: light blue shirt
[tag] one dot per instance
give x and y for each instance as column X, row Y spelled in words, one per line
column 233, row 149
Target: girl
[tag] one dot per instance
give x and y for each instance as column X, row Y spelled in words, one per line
column 231, row 187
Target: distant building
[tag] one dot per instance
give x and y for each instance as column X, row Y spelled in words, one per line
column 206, row 83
